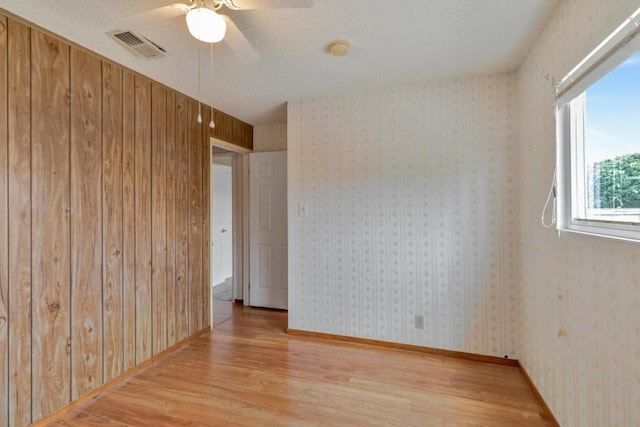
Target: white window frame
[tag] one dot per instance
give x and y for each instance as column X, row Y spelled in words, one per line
column 613, row 51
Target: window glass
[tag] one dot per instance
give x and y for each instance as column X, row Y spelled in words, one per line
column 611, row 152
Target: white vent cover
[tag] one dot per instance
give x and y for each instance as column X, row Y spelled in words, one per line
column 137, row 43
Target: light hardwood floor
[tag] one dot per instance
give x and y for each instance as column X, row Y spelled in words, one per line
column 249, row 372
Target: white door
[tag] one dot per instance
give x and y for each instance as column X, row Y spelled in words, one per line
column 268, row 229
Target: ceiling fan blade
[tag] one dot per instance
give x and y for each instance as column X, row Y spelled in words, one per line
column 154, row 15
column 239, row 43
column 271, row 4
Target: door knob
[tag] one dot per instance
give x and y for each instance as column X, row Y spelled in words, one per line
column 224, row 230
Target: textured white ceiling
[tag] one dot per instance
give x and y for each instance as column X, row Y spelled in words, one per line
column 392, row 42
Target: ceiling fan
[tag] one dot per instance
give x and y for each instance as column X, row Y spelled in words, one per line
column 206, row 24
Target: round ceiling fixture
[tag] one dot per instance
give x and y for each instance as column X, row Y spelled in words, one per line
column 339, row 47
column 206, row 25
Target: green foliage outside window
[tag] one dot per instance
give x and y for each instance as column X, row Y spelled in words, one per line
column 617, row 182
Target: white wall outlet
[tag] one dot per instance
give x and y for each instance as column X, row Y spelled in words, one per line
column 419, row 321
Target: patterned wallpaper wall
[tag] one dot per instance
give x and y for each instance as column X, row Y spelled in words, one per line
column 410, row 193
column 580, row 301
column 270, row 137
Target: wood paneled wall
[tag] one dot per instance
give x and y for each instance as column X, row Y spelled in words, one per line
column 104, row 220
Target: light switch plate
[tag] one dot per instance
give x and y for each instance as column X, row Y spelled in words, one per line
column 302, row 209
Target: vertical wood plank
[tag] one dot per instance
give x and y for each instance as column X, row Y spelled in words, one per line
column 128, row 221
column 86, row 218
column 50, row 236
column 206, row 193
column 195, row 220
column 112, row 206
column 142, row 196
column 182, row 218
column 19, row 232
column 159, row 216
column 4, row 249
column 171, row 219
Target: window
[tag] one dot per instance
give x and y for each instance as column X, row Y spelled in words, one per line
column 598, row 124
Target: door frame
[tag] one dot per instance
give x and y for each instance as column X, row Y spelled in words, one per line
column 240, row 225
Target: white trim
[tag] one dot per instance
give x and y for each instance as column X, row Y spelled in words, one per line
column 228, row 146
column 590, row 232
column 576, row 139
column 563, row 153
column 590, row 69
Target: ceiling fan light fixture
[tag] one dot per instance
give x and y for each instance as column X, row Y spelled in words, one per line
column 206, row 25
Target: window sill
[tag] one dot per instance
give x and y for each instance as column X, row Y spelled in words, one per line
column 616, row 235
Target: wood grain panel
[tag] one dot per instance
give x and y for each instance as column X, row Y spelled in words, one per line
column 51, row 251
column 143, row 218
column 171, row 218
column 221, row 130
column 182, row 218
column 112, row 208
column 230, row 129
column 104, row 206
column 128, row 221
column 19, row 233
column 86, row 218
column 4, row 223
column 195, row 220
column 159, row 216
column 206, row 225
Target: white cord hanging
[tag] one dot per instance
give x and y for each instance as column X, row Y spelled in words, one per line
column 212, row 124
column 552, row 193
column 199, row 87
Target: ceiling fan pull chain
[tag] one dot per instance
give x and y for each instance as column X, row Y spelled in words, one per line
column 199, row 87
column 212, row 124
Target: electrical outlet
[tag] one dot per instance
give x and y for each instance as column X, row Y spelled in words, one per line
column 419, row 321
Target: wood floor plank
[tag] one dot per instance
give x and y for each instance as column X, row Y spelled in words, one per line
column 50, row 236
column 19, row 234
column 112, row 246
column 4, row 248
column 249, row 372
column 222, row 311
column 86, row 219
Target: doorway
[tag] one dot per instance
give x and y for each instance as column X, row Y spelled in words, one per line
column 222, row 228
column 229, row 229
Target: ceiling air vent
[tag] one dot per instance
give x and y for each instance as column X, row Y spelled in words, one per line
column 137, row 43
